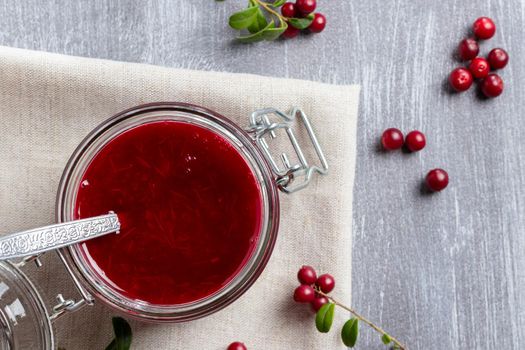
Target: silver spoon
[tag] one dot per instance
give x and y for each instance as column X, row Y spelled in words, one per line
column 38, row 240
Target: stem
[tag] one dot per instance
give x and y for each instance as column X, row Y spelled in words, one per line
column 362, row 318
column 270, row 10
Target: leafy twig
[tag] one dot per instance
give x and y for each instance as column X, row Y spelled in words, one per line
column 262, row 21
column 387, row 338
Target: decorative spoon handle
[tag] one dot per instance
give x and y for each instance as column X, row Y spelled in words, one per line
column 42, row 239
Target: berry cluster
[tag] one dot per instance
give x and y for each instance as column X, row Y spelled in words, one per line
column 307, row 292
column 302, row 9
column 310, row 285
column 265, row 20
column 461, row 78
column 392, row 139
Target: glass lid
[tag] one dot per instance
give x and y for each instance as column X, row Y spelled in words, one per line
column 24, row 321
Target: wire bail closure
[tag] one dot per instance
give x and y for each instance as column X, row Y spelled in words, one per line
column 290, row 177
column 30, row 245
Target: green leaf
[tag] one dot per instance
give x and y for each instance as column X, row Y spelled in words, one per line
column 301, row 23
column 259, row 36
column 325, row 317
column 278, row 3
column 122, row 333
column 112, row 345
column 243, row 19
column 273, row 33
column 386, row 339
column 269, row 32
column 350, row 331
column 259, row 24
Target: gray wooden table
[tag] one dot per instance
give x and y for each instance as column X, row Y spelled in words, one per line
column 443, row 271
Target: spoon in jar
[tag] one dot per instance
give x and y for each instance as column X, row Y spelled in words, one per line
column 39, row 240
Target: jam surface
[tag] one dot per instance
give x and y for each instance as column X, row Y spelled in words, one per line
column 190, row 209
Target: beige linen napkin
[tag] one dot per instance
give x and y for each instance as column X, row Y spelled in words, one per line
column 49, row 102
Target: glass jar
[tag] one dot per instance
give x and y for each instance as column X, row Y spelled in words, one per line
column 252, row 144
column 24, row 320
column 239, row 139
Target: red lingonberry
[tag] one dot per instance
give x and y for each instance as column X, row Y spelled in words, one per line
column 305, row 7
column 392, row 139
column 307, row 275
column 237, row 346
column 288, row 9
column 318, row 24
column 318, row 302
column 460, row 79
column 304, row 294
column 498, row 58
column 290, row 32
column 468, row 49
column 484, row 28
column 415, row 141
column 479, row 67
column 326, row 283
column 437, row 179
column 492, row 85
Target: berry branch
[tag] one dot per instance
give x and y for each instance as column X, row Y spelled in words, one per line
column 397, row 343
column 261, row 20
column 314, row 290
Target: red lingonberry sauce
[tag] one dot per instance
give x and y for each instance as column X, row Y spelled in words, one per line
column 190, row 209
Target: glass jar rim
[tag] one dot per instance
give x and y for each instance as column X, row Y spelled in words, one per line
column 215, row 122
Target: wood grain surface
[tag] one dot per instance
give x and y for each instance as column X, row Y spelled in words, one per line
column 440, row 271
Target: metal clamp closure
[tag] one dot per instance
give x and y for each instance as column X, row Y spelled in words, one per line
column 63, row 305
column 290, row 177
column 53, row 237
